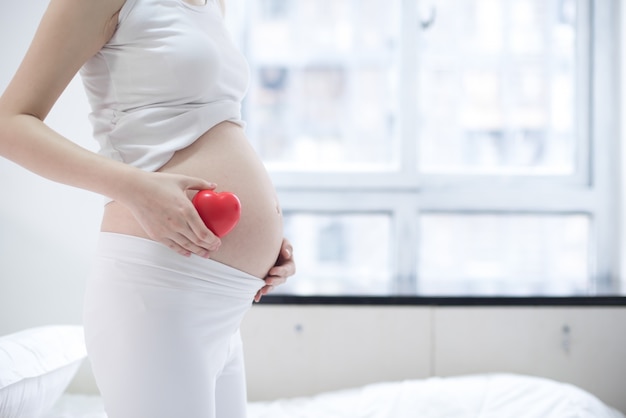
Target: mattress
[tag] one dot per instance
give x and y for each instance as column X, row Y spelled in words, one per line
column 475, row 396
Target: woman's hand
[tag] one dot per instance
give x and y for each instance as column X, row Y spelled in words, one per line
column 162, row 206
column 285, row 266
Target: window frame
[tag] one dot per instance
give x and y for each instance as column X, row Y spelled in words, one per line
column 405, row 193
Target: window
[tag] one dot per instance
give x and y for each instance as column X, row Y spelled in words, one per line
column 438, row 147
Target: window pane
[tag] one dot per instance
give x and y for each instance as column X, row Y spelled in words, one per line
column 323, row 83
column 340, row 254
column 492, row 254
column 497, row 88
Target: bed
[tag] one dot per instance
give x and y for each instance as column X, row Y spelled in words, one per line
column 493, row 395
column 36, row 365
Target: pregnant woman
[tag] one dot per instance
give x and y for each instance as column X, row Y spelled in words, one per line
column 166, row 297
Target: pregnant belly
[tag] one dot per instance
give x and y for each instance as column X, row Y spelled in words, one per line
column 224, row 156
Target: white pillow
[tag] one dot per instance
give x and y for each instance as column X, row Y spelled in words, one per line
column 36, row 365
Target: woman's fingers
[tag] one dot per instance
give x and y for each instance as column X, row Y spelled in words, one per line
column 201, row 240
column 163, row 208
column 262, row 292
column 199, row 184
column 175, row 247
column 285, row 266
column 186, row 247
column 201, row 236
column 194, row 237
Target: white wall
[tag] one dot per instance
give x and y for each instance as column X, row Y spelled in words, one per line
column 47, row 231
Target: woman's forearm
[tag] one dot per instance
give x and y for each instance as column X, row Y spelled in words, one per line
column 27, row 141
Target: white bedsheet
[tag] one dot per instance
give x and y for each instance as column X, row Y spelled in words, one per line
column 477, row 396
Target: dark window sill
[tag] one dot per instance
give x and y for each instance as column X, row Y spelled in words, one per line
column 589, row 301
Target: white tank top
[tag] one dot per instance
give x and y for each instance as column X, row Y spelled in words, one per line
column 169, row 74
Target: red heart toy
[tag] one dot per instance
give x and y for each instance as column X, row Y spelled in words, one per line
column 219, row 211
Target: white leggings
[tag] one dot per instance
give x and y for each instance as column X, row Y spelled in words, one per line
column 162, row 331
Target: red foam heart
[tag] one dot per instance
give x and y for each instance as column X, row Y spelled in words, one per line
column 219, row 211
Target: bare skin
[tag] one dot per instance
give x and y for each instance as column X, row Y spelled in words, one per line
column 154, row 205
column 224, row 156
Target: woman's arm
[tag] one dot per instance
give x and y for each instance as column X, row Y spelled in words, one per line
column 71, row 31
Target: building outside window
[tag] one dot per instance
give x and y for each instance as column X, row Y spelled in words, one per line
column 439, row 147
